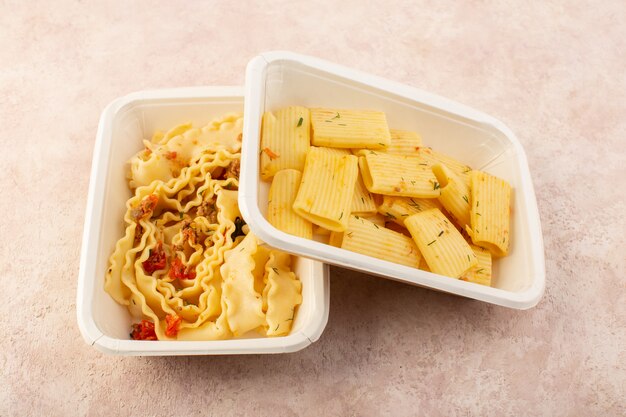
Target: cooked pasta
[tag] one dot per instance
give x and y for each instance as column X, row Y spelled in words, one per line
column 396, row 209
column 443, row 247
column 401, row 175
column 490, row 212
column 285, row 140
column 455, row 195
column 187, row 267
column 406, row 203
column 280, row 211
column 368, row 238
column 325, row 194
column 403, row 142
column 481, row 273
column 349, row 129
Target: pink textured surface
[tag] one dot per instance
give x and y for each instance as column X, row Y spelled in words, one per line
column 553, row 71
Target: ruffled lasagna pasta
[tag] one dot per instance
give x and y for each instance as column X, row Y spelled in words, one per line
column 187, row 266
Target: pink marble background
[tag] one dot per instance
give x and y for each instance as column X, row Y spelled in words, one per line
column 555, row 72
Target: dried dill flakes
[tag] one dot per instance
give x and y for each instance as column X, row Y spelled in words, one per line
column 300, row 122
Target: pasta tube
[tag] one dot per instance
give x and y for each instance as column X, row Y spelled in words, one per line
column 443, row 247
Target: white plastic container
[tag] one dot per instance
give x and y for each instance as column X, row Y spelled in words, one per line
column 106, row 324
column 279, row 79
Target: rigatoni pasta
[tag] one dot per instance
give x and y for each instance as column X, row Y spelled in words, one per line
column 405, row 202
column 490, row 212
column 443, row 247
column 455, row 195
column 285, row 140
column 398, row 175
column 481, row 273
column 349, row 128
column 403, row 142
column 368, row 238
column 396, row 209
column 325, row 194
column 280, row 211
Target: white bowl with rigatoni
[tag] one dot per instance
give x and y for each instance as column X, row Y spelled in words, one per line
column 454, row 134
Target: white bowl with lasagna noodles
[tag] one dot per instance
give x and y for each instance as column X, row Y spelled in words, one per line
column 375, row 176
column 168, row 266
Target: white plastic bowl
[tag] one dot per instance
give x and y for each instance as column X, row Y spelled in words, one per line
column 106, row 324
column 279, row 79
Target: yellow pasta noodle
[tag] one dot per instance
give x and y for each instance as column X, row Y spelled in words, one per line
column 481, row 273
column 325, row 194
column 282, row 294
column 362, row 201
column 285, row 140
column 490, row 212
column 441, row 244
column 455, row 195
column 365, row 237
column 187, row 266
column 396, row 209
column 349, row 128
column 398, row 175
column 434, row 157
column 244, row 306
column 403, row 142
column 280, row 211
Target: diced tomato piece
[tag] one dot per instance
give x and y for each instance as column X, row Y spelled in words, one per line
column 178, row 270
column 272, row 155
column 171, row 155
column 145, row 208
column 143, row 331
column 156, row 260
column 172, row 325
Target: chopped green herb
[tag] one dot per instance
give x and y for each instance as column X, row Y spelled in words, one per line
column 349, row 234
column 376, row 226
column 391, row 216
column 300, row 122
column 381, row 144
column 414, row 204
column 180, row 214
column 424, row 164
column 478, row 214
column 436, row 185
column 341, row 124
column 275, row 270
column 412, row 182
column 356, row 217
column 328, row 121
column 432, row 242
column 277, row 326
column 134, row 302
column 478, row 271
column 363, row 200
column 373, row 153
column 404, row 215
column 465, row 198
column 468, row 259
column 336, row 117
column 341, row 215
column 477, row 203
column 440, row 233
